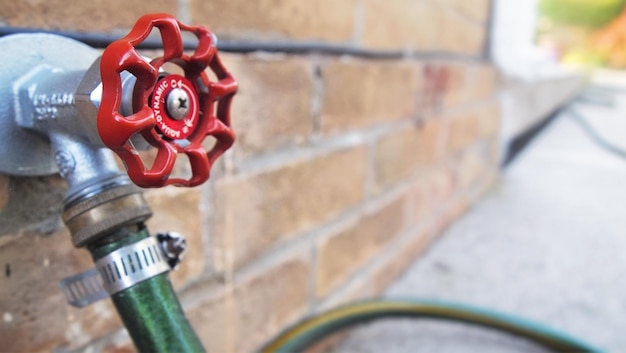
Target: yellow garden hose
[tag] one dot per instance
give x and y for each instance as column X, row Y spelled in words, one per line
column 312, row 330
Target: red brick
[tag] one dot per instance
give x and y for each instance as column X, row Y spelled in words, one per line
column 255, row 213
column 272, row 108
column 396, row 264
column 178, row 210
column 340, row 254
column 401, row 24
column 358, row 94
column 400, row 153
column 89, row 16
column 327, row 20
column 267, row 302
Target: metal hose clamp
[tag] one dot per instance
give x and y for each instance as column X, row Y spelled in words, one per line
column 124, row 268
column 127, row 266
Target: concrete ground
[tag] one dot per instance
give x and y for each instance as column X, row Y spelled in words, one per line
column 548, row 243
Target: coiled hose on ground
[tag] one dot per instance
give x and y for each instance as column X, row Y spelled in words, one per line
column 306, row 333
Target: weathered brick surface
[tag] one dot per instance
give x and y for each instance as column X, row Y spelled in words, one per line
column 489, row 120
column 89, row 16
column 35, row 314
column 482, row 121
column 213, row 321
column 494, row 151
column 359, row 93
column 5, row 184
column 90, row 323
column 267, row 302
column 458, row 85
column 484, row 83
column 449, row 84
column 401, row 24
column 400, row 153
column 442, row 183
column 451, row 25
column 357, row 289
column 120, row 342
column 471, row 167
column 453, row 210
column 464, row 129
column 434, row 87
column 461, row 35
column 342, row 253
column 34, row 203
column 421, row 199
column 476, row 10
column 264, row 209
column 390, row 270
column 272, row 108
column 328, row 20
column 179, row 211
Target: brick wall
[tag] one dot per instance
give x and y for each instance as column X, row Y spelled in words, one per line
column 344, row 170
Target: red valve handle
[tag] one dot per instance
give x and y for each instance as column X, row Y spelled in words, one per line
column 172, row 113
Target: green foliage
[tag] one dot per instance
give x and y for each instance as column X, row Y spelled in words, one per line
column 586, row 13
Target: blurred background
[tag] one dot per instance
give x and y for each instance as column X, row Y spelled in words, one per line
column 585, row 33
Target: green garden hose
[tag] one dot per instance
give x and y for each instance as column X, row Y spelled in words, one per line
column 312, row 330
column 150, row 309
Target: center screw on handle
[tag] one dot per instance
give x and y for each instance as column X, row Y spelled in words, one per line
column 177, row 103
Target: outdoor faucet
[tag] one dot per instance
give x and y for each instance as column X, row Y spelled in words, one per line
column 65, row 108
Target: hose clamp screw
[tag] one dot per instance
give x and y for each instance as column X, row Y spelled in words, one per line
column 174, row 246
